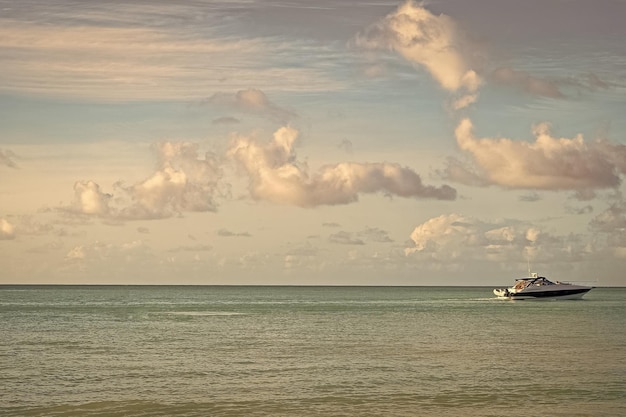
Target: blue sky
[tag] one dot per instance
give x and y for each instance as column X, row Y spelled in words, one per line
column 331, row 142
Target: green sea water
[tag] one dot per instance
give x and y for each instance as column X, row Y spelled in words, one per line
column 308, row 351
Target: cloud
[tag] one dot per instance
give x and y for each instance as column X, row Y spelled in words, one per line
column 530, row 197
column 346, row 146
column 7, row 230
column 89, row 199
column 542, row 87
column 526, row 82
column 99, row 57
column 579, row 210
column 548, row 163
column 611, row 220
column 330, row 224
column 433, row 42
column 228, row 233
column 276, row 175
column 102, row 254
column 375, row 234
column 183, row 181
column 6, row 158
column 369, row 234
column 252, row 101
column 193, row 248
column 226, row 120
column 454, row 238
column 345, row 238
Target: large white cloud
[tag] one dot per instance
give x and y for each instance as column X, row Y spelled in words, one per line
column 433, row 42
column 183, row 181
column 548, row 163
column 276, row 175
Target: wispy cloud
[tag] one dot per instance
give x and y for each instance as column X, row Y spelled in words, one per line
column 611, row 220
column 226, row 120
column 114, row 60
column 345, row 238
column 545, row 87
column 6, row 158
column 526, row 82
column 252, row 101
column 229, row 233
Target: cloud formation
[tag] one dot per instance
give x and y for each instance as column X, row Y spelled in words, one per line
column 451, row 238
column 89, row 199
column 183, row 181
column 252, row 101
column 277, row 176
column 429, row 41
column 548, row 163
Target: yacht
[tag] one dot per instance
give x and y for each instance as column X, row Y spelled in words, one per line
column 536, row 288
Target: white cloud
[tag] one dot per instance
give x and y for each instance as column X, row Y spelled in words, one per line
column 7, row 230
column 183, row 181
column 276, row 175
column 454, row 238
column 88, row 199
column 433, row 42
column 548, row 163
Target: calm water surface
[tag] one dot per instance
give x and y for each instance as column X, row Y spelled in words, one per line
column 308, row 351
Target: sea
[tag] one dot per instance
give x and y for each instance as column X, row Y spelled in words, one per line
column 308, row 351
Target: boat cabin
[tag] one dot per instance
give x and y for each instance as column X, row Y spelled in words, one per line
column 522, row 283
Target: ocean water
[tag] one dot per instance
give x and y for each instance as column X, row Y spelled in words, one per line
column 308, row 351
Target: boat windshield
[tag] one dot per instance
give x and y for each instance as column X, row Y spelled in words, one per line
column 526, row 282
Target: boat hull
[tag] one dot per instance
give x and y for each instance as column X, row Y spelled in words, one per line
column 561, row 294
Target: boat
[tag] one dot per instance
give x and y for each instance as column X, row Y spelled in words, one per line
column 535, row 287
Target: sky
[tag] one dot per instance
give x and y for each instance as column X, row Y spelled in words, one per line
column 335, row 142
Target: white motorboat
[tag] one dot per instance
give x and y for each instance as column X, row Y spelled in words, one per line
column 536, row 288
